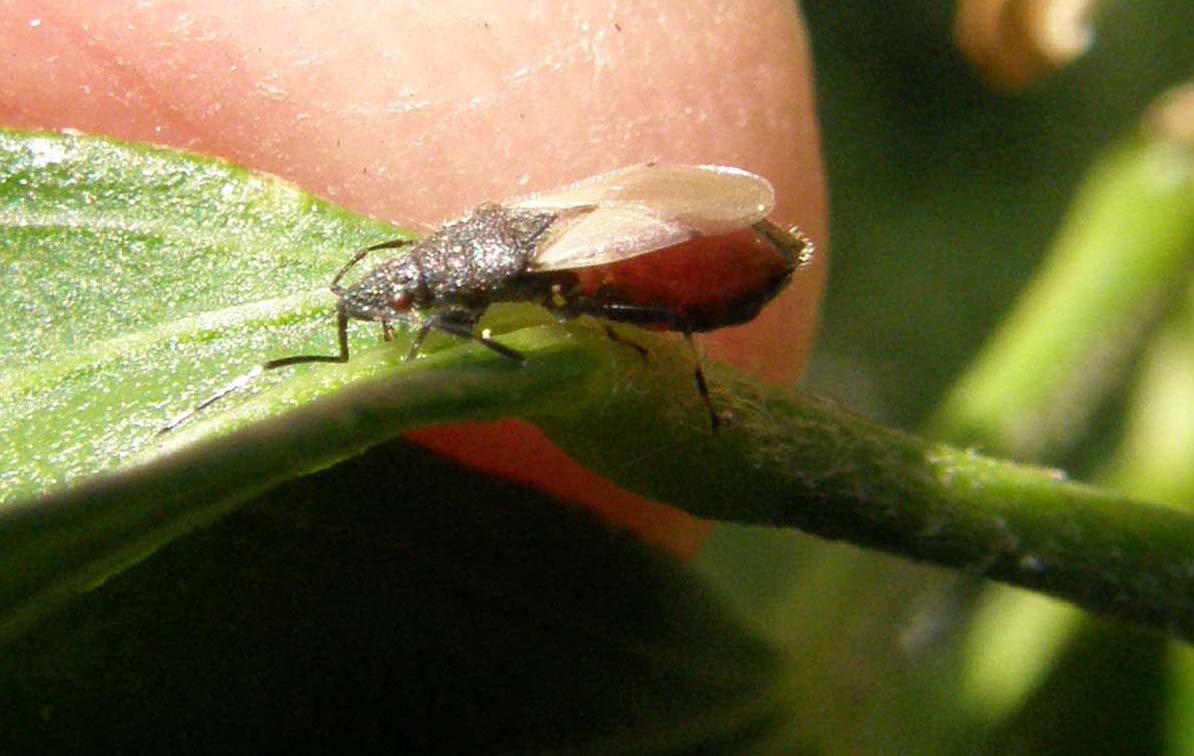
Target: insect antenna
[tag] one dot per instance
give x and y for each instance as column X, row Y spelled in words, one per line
column 232, row 387
column 361, row 254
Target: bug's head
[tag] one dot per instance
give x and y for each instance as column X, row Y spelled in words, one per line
column 388, row 292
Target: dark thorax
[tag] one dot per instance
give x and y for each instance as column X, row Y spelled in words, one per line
column 466, row 264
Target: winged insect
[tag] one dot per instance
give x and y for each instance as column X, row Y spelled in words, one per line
column 683, row 248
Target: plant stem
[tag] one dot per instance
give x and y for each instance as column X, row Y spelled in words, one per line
column 799, row 461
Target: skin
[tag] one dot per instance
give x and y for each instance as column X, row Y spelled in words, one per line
column 415, row 112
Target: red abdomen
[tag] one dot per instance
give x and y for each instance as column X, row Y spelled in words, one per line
column 714, row 281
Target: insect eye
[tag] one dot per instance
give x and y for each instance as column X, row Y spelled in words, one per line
column 401, row 301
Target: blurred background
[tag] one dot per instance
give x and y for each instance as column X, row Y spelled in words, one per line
column 323, row 614
column 949, row 185
column 946, row 193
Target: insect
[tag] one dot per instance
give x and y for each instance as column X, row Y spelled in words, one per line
column 595, row 247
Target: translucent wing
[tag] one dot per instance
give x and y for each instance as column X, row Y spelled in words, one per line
column 643, row 208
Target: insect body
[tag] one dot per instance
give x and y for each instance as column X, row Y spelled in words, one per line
column 584, row 249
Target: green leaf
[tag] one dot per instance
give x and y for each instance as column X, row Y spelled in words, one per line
column 136, row 279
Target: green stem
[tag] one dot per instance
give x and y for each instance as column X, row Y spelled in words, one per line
column 797, row 461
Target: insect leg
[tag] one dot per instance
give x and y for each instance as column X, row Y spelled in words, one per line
column 342, row 336
column 341, row 332
column 417, row 343
column 461, row 323
column 620, row 339
column 244, row 380
column 662, row 317
column 698, row 373
column 565, row 307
